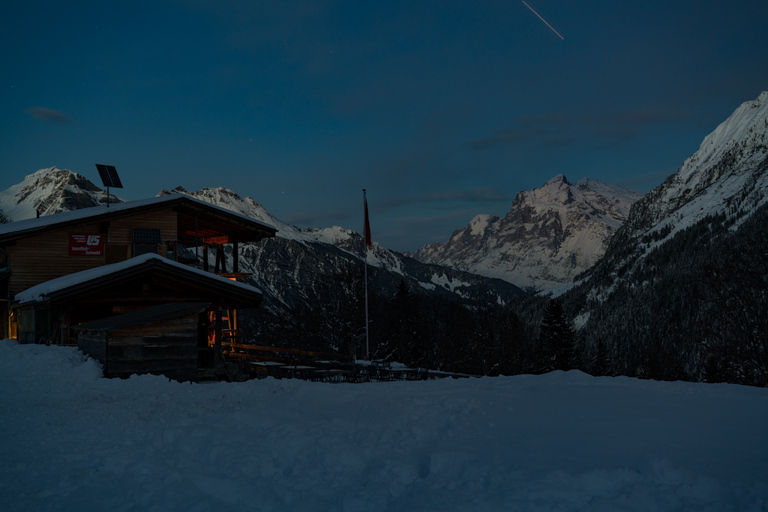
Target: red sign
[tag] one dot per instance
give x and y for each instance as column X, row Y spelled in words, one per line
column 84, row 244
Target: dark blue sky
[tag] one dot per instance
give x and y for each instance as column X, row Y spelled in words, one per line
column 441, row 109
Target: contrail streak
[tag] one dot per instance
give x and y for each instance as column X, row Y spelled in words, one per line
column 545, row 21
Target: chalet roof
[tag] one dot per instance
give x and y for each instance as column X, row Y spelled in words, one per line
column 142, row 316
column 196, row 219
column 78, row 283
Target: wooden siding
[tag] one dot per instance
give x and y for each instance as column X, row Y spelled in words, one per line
column 45, row 256
column 167, row 347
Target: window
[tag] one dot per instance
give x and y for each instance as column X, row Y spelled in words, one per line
column 145, row 241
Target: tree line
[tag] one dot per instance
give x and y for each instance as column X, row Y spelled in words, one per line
column 694, row 308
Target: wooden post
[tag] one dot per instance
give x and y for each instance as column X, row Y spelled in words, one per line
column 218, row 334
column 205, row 257
column 221, row 262
column 235, row 258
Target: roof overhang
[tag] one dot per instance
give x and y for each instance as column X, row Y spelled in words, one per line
column 147, row 280
column 197, row 220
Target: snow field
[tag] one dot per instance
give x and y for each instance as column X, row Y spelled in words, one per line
column 70, row 440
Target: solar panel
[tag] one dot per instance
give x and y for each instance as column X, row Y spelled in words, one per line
column 109, row 176
column 145, row 235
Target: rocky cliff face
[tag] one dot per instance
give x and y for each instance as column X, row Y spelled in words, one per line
column 549, row 235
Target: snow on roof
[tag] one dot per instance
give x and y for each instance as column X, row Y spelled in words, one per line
column 40, row 292
column 85, row 213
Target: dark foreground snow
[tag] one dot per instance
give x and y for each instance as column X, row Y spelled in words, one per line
column 70, row 440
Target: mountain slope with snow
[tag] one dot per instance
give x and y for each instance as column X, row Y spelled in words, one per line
column 680, row 291
column 550, row 234
column 727, row 175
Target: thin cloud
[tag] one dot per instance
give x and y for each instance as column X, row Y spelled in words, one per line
column 410, row 233
column 304, row 219
column 48, row 115
column 560, row 128
column 505, row 136
column 476, row 194
column 480, row 194
column 525, row 128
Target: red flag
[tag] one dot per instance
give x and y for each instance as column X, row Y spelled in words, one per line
column 368, row 242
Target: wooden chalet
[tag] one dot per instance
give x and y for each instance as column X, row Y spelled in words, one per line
column 67, row 269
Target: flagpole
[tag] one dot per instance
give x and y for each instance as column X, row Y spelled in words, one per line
column 367, row 236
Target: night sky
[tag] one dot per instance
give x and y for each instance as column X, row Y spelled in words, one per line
column 440, row 109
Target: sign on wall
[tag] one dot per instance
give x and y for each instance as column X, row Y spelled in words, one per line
column 85, row 244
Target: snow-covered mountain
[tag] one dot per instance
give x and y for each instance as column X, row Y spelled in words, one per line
column 727, row 177
column 48, row 191
column 550, row 234
column 682, row 284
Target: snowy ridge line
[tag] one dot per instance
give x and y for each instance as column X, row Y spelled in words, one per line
column 227, row 199
column 713, row 179
column 337, row 238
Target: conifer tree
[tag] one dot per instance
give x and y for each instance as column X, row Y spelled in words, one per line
column 556, row 339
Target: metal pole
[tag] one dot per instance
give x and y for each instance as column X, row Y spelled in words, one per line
column 367, row 349
column 365, row 262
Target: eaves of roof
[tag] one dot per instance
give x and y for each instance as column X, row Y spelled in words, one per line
column 73, row 285
column 24, row 228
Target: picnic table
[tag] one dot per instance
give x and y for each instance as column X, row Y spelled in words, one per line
column 298, row 371
column 333, row 375
column 267, row 368
column 401, row 373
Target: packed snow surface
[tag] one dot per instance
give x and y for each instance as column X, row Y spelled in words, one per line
column 71, row 440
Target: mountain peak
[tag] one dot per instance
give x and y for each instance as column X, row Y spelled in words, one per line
column 558, row 180
column 51, row 190
column 550, row 234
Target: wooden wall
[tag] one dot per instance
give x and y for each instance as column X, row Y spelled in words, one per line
column 45, row 256
column 167, row 347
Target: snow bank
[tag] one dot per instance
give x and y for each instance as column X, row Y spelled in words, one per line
column 71, row 440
